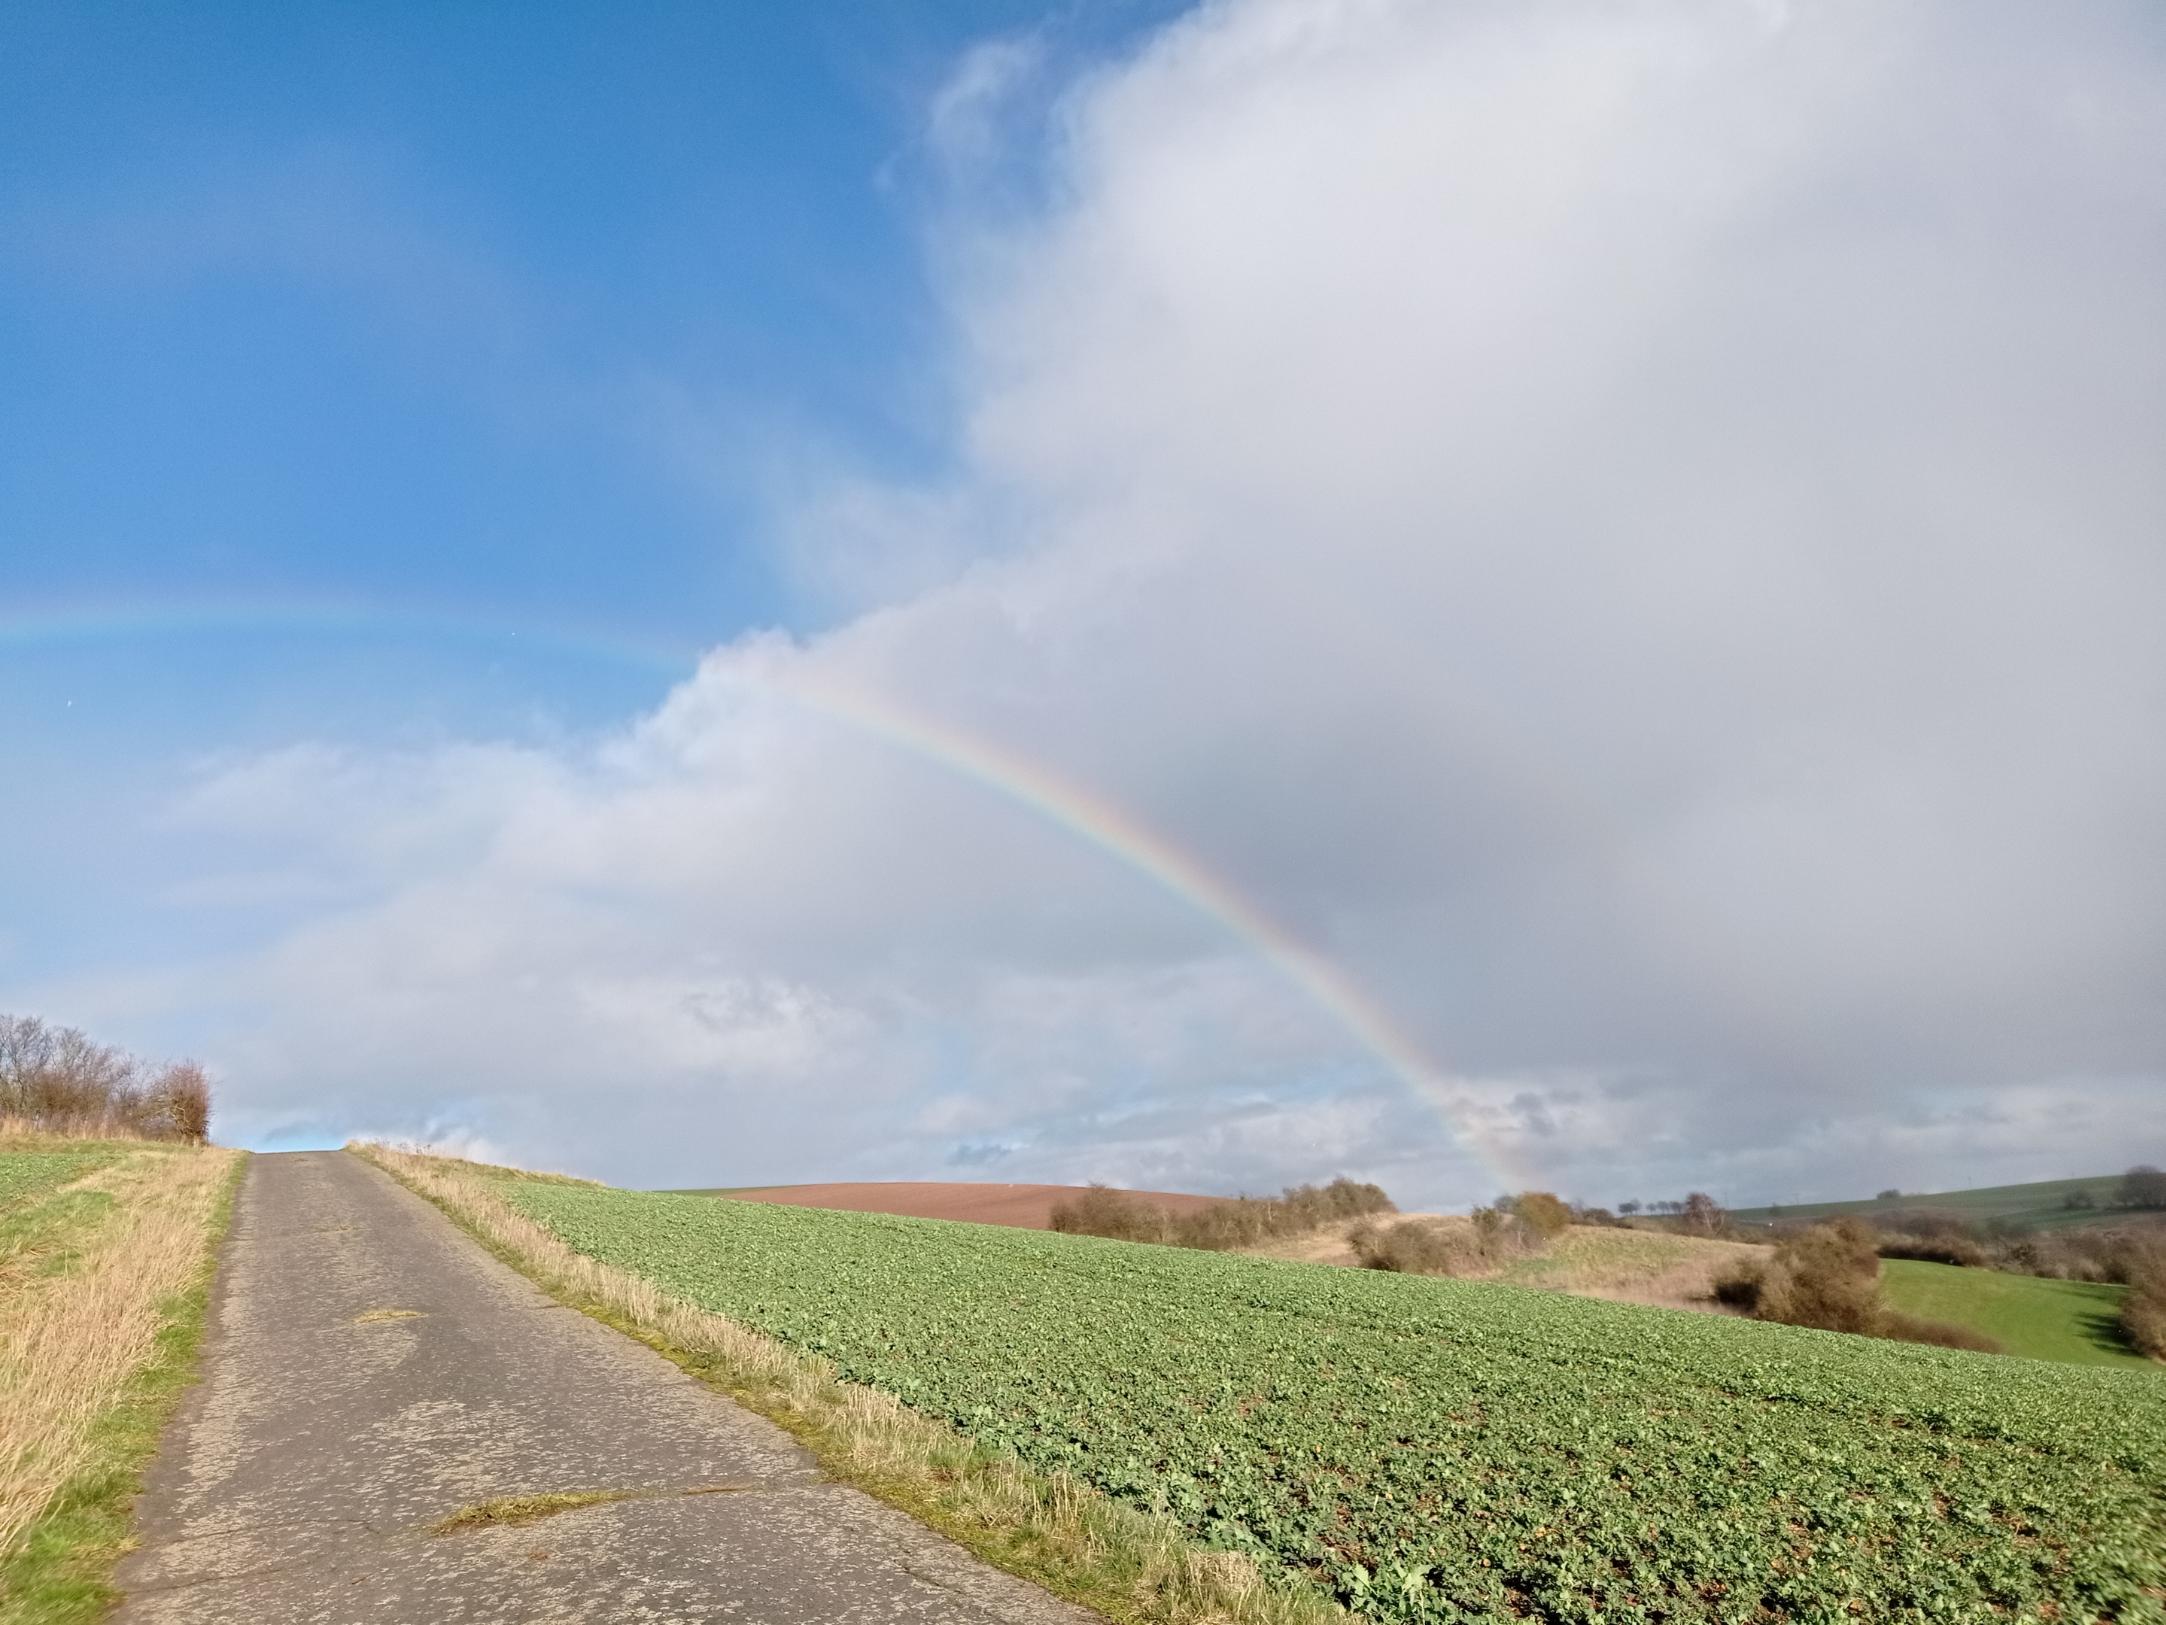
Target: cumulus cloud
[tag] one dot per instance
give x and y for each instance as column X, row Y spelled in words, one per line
column 1633, row 531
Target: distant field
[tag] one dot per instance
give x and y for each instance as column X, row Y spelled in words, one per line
column 2040, row 1319
column 1029, row 1207
column 2039, row 1206
column 1440, row 1450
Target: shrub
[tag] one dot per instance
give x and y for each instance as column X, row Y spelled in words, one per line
column 2143, row 1321
column 2143, row 1186
column 1539, row 1211
column 1739, row 1286
column 1239, row 1221
column 1910, row 1329
column 1935, row 1249
column 1827, row 1276
column 1418, row 1247
column 2143, row 1310
column 1703, row 1215
column 1104, row 1211
column 1500, row 1233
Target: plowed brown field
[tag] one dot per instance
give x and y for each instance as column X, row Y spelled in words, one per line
column 1026, row 1207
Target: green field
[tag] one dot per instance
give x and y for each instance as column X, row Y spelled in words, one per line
column 2041, row 1205
column 2026, row 1315
column 28, row 1174
column 1442, row 1450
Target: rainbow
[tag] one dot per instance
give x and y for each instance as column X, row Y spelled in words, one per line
column 1093, row 820
column 1116, row 833
column 55, row 626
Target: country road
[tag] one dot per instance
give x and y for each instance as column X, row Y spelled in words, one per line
column 371, row 1371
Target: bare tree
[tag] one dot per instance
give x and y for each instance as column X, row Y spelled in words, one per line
column 178, row 1101
column 62, row 1080
column 1702, row 1213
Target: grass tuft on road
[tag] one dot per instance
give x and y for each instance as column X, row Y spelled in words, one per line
column 519, row 1509
column 98, row 1342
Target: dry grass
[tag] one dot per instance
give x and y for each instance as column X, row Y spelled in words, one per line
column 518, row 1509
column 21, row 1134
column 1624, row 1266
column 1047, row 1528
column 71, row 1340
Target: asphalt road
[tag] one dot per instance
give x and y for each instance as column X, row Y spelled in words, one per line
column 370, row 1372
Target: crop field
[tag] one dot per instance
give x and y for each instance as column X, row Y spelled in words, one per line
column 2025, row 1314
column 25, row 1175
column 1441, row 1450
column 2041, row 1205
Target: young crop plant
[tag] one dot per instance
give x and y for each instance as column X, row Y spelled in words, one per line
column 1428, row 1450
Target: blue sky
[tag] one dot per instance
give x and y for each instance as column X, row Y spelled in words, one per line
column 1195, row 596
column 408, row 373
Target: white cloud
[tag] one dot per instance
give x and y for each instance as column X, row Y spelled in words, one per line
column 1633, row 530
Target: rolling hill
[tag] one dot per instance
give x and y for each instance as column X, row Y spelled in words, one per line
column 1023, row 1207
column 2040, row 1205
column 1420, row 1449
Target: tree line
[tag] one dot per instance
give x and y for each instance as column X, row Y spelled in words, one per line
column 59, row 1080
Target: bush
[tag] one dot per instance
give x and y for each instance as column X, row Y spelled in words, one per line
column 1104, row 1211
column 2143, row 1310
column 2143, row 1186
column 1240, row 1221
column 1539, row 1211
column 1827, row 1276
column 1703, row 1215
column 1418, row 1247
column 1739, row 1286
column 1910, row 1329
column 1935, row 1249
column 2143, row 1321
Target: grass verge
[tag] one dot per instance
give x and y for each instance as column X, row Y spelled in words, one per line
column 1043, row 1527
column 94, row 1359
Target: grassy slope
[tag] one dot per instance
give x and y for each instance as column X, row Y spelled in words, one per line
column 2037, row 1205
column 1631, row 1266
column 2026, row 1315
column 1435, row 1449
column 58, row 1571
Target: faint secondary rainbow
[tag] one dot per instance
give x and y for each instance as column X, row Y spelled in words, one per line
column 59, row 625
column 1118, row 834
column 1091, row 819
